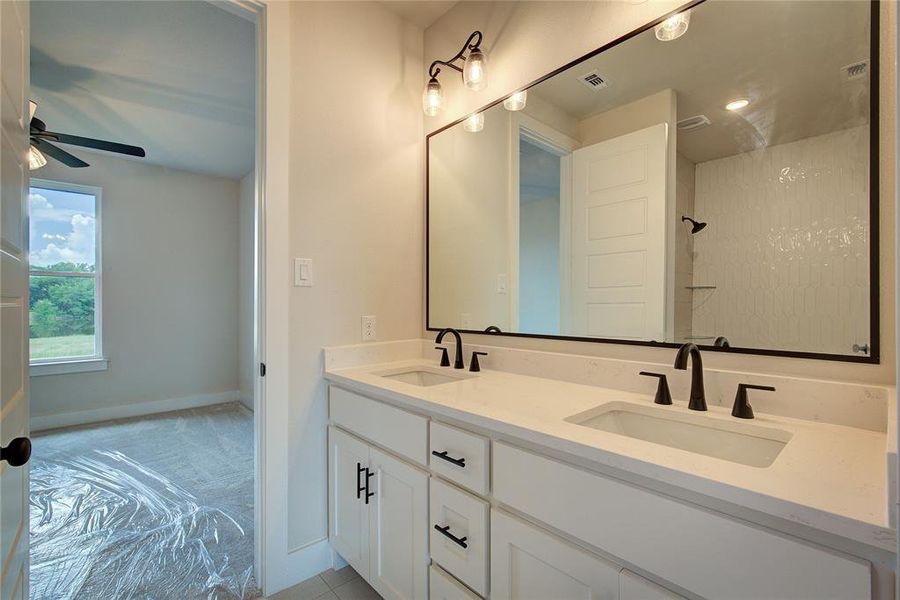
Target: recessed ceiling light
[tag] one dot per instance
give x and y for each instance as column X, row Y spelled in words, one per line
column 674, row 27
column 737, row 104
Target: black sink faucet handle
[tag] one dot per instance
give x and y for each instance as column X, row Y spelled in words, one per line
column 662, row 389
column 742, row 408
column 473, row 364
column 445, row 360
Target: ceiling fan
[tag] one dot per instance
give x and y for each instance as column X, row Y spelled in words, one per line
column 41, row 146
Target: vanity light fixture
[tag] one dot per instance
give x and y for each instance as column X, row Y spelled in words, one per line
column 674, row 27
column 473, row 69
column 516, row 101
column 474, row 122
column 737, row 104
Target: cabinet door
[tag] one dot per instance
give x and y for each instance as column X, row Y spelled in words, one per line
column 348, row 514
column 527, row 563
column 635, row 587
column 398, row 534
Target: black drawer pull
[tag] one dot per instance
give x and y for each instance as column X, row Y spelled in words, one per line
column 369, row 494
column 446, row 531
column 359, row 486
column 459, row 462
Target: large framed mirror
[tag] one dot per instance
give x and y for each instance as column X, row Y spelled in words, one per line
column 719, row 188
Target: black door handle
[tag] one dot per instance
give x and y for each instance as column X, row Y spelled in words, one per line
column 459, row 462
column 359, row 486
column 17, row 452
column 369, row 475
column 446, row 531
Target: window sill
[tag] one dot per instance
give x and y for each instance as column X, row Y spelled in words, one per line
column 64, row 367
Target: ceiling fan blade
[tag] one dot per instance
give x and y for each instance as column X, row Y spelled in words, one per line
column 76, row 140
column 59, row 154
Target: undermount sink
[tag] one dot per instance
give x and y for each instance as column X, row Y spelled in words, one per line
column 421, row 376
column 737, row 442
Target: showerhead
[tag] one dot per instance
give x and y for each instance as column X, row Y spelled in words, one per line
column 696, row 226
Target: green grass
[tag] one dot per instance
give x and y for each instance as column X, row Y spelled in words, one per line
column 68, row 346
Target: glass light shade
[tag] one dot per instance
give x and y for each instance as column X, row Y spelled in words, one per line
column 432, row 97
column 36, row 159
column 474, row 123
column 674, row 27
column 737, row 104
column 474, row 71
column 516, row 101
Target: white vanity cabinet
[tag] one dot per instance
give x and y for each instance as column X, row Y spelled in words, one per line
column 378, row 516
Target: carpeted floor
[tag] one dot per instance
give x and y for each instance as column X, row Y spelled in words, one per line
column 153, row 508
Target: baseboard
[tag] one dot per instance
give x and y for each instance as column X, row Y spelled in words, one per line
column 124, row 411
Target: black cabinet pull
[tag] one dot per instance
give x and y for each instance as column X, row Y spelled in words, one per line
column 446, row 531
column 369, row 475
column 359, row 486
column 459, row 462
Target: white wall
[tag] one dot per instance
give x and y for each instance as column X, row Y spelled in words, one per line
column 539, row 283
column 169, row 288
column 787, row 245
column 356, row 173
column 246, row 272
column 526, row 40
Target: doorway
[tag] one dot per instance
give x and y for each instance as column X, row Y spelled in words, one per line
column 144, row 466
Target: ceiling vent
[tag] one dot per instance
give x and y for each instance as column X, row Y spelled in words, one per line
column 594, row 80
column 693, row 123
column 857, row 70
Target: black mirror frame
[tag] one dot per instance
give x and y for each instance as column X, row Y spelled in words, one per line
column 874, row 356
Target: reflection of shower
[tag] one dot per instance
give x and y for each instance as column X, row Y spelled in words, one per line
column 696, row 226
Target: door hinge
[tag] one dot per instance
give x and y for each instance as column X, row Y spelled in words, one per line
column 262, row 369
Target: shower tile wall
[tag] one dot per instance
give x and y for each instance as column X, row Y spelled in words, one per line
column 786, row 245
column 684, row 250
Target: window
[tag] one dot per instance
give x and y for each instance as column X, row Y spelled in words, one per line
column 64, row 318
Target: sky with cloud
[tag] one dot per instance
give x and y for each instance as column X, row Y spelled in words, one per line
column 63, row 227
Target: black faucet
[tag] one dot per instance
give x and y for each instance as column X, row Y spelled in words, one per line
column 458, row 361
column 698, row 395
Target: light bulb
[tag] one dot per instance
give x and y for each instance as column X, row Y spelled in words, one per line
column 36, row 159
column 737, row 104
column 474, row 122
column 474, row 71
column 516, row 101
column 674, row 27
column 432, row 97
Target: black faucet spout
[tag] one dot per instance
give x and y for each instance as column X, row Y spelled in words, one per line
column 458, row 361
column 698, row 393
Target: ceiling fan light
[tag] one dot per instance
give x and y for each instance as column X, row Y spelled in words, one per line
column 36, row 158
column 474, row 71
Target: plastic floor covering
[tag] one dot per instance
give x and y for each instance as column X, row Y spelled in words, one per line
column 152, row 508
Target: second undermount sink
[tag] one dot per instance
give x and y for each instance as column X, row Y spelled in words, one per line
column 738, row 442
column 421, row 376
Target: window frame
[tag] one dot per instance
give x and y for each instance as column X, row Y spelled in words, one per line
column 96, row 361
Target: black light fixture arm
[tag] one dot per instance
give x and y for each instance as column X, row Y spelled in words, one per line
column 472, row 43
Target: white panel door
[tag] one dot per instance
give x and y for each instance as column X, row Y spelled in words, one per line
column 527, row 563
column 398, row 535
column 348, row 514
column 618, row 241
column 635, row 587
column 14, row 118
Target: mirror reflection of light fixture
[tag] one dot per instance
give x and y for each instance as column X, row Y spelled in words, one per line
column 516, row 101
column 737, row 104
column 474, row 73
column 674, row 27
column 36, row 159
column 474, row 122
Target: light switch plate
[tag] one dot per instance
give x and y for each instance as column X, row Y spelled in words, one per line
column 303, row 272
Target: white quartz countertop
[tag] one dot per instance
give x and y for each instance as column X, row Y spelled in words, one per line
column 828, row 477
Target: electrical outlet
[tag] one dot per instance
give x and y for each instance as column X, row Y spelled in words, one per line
column 368, row 328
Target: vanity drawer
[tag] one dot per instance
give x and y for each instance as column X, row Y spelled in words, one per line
column 465, row 518
column 442, row 586
column 702, row 551
column 450, row 447
column 399, row 431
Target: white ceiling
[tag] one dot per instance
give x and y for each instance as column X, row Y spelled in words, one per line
column 176, row 78
column 421, row 12
column 786, row 57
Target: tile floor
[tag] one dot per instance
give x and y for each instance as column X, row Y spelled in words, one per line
column 344, row 584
